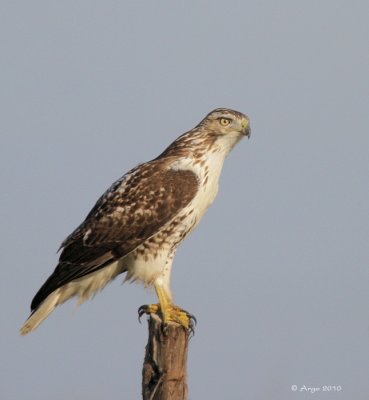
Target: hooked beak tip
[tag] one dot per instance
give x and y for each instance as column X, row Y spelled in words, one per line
column 248, row 132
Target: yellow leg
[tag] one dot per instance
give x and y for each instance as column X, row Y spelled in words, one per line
column 168, row 311
column 164, row 302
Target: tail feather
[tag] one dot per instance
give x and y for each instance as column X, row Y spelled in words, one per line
column 84, row 288
column 41, row 312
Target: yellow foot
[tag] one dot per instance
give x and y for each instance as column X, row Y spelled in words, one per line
column 171, row 313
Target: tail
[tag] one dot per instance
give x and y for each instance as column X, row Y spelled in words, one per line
column 41, row 313
column 84, row 287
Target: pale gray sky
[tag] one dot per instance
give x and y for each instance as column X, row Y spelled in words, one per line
column 277, row 272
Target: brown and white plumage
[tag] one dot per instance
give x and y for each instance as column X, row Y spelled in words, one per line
column 138, row 223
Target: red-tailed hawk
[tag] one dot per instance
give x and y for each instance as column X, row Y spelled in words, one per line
column 138, row 223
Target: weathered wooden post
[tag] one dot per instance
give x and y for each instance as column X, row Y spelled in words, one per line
column 164, row 373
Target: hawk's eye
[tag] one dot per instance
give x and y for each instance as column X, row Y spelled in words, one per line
column 224, row 121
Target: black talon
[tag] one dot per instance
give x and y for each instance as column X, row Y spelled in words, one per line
column 192, row 318
column 191, row 325
column 141, row 311
column 164, row 328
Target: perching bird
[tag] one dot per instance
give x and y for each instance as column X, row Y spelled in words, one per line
column 138, row 223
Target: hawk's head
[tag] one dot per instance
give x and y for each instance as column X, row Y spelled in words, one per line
column 218, row 133
column 222, row 129
column 223, row 121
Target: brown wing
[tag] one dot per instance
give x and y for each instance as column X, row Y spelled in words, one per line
column 132, row 210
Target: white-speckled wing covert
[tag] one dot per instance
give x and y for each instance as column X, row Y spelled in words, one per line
column 132, row 210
